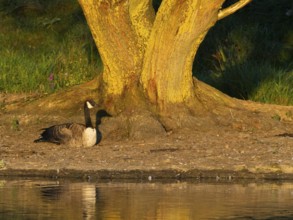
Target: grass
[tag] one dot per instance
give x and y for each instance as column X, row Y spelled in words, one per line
column 278, row 88
column 256, row 81
column 249, row 55
column 48, row 47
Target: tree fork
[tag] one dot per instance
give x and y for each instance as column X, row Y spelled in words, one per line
column 155, row 52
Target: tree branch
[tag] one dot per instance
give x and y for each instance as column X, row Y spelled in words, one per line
column 232, row 8
column 142, row 16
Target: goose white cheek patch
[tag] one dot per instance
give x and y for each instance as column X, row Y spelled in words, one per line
column 89, row 105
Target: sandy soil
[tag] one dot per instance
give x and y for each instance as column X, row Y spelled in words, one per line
column 221, row 150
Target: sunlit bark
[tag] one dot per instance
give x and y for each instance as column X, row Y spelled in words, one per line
column 179, row 28
column 152, row 53
column 118, row 33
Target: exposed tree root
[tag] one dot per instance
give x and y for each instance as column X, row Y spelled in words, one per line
column 140, row 121
column 65, row 102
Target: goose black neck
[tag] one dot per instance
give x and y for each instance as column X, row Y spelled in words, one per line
column 87, row 116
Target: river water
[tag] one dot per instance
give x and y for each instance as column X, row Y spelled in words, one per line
column 64, row 199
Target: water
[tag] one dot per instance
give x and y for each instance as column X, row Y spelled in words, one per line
column 45, row 199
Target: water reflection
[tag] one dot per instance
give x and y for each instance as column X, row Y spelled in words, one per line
column 38, row 199
column 51, row 191
column 89, row 197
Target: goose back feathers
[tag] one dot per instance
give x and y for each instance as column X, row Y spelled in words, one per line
column 73, row 134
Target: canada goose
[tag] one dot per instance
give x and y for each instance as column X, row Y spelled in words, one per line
column 73, row 134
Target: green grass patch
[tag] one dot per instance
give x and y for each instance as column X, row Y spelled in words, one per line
column 278, row 88
column 256, row 81
column 249, row 55
column 48, row 46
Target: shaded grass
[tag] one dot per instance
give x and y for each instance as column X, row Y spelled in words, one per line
column 256, row 81
column 249, row 55
column 278, row 88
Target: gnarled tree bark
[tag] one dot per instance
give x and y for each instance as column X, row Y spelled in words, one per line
column 152, row 54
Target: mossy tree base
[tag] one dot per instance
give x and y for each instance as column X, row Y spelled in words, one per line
column 136, row 118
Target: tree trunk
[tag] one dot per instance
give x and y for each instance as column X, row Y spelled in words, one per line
column 148, row 57
column 151, row 54
column 179, row 29
column 116, row 41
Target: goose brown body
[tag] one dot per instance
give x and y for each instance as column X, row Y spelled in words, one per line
column 73, row 134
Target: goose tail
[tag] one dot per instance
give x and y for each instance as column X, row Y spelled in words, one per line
column 41, row 139
column 47, row 136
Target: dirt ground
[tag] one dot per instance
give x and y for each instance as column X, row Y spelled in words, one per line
column 227, row 149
